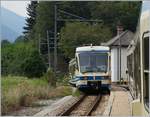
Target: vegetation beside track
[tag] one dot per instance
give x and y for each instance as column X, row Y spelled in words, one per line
column 21, row 91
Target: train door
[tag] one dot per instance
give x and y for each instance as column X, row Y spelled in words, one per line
column 146, row 70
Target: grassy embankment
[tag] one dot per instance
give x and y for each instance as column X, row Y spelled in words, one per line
column 21, row 91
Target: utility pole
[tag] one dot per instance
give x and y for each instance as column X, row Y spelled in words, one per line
column 55, row 38
column 78, row 19
column 48, row 48
column 39, row 44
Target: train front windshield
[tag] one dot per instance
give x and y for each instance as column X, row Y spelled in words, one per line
column 93, row 62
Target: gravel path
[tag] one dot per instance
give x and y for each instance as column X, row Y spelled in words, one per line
column 83, row 107
column 101, row 106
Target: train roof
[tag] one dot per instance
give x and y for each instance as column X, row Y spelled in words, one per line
column 125, row 37
column 92, row 48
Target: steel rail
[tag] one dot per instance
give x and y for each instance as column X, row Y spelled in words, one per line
column 71, row 108
column 94, row 105
column 77, row 103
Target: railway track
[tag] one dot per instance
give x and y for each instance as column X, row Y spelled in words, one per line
column 84, row 106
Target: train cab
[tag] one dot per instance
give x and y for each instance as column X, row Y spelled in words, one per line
column 92, row 69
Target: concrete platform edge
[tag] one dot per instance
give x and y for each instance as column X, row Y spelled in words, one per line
column 110, row 103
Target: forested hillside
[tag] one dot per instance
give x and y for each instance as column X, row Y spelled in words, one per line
column 23, row 56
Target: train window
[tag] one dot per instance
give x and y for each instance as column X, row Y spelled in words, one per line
column 146, row 70
column 72, row 64
column 93, row 62
column 130, row 66
column 84, row 59
column 146, row 53
column 101, row 62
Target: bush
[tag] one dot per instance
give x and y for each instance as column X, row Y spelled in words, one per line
column 10, row 101
column 60, row 91
column 20, row 91
column 21, row 59
column 63, row 79
column 34, row 66
column 50, row 77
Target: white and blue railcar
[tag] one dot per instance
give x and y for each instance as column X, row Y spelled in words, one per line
column 92, row 67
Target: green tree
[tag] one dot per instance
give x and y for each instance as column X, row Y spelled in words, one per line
column 6, row 57
column 4, row 43
column 19, row 52
column 31, row 19
column 18, row 57
column 12, row 57
column 20, row 39
column 109, row 12
column 77, row 34
column 33, row 66
column 45, row 17
column 113, row 11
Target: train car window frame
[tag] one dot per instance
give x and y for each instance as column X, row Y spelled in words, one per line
column 94, row 62
column 109, row 62
column 77, row 64
column 72, row 64
column 146, row 67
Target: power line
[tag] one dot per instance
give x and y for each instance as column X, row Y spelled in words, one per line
column 61, row 11
column 79, row 20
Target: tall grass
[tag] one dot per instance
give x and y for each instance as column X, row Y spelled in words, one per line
column 21, row 91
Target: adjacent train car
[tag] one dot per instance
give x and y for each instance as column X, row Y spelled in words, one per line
column 139, row 65
column 91, row 68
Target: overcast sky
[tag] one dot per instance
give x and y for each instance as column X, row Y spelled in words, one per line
column 19, row 7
